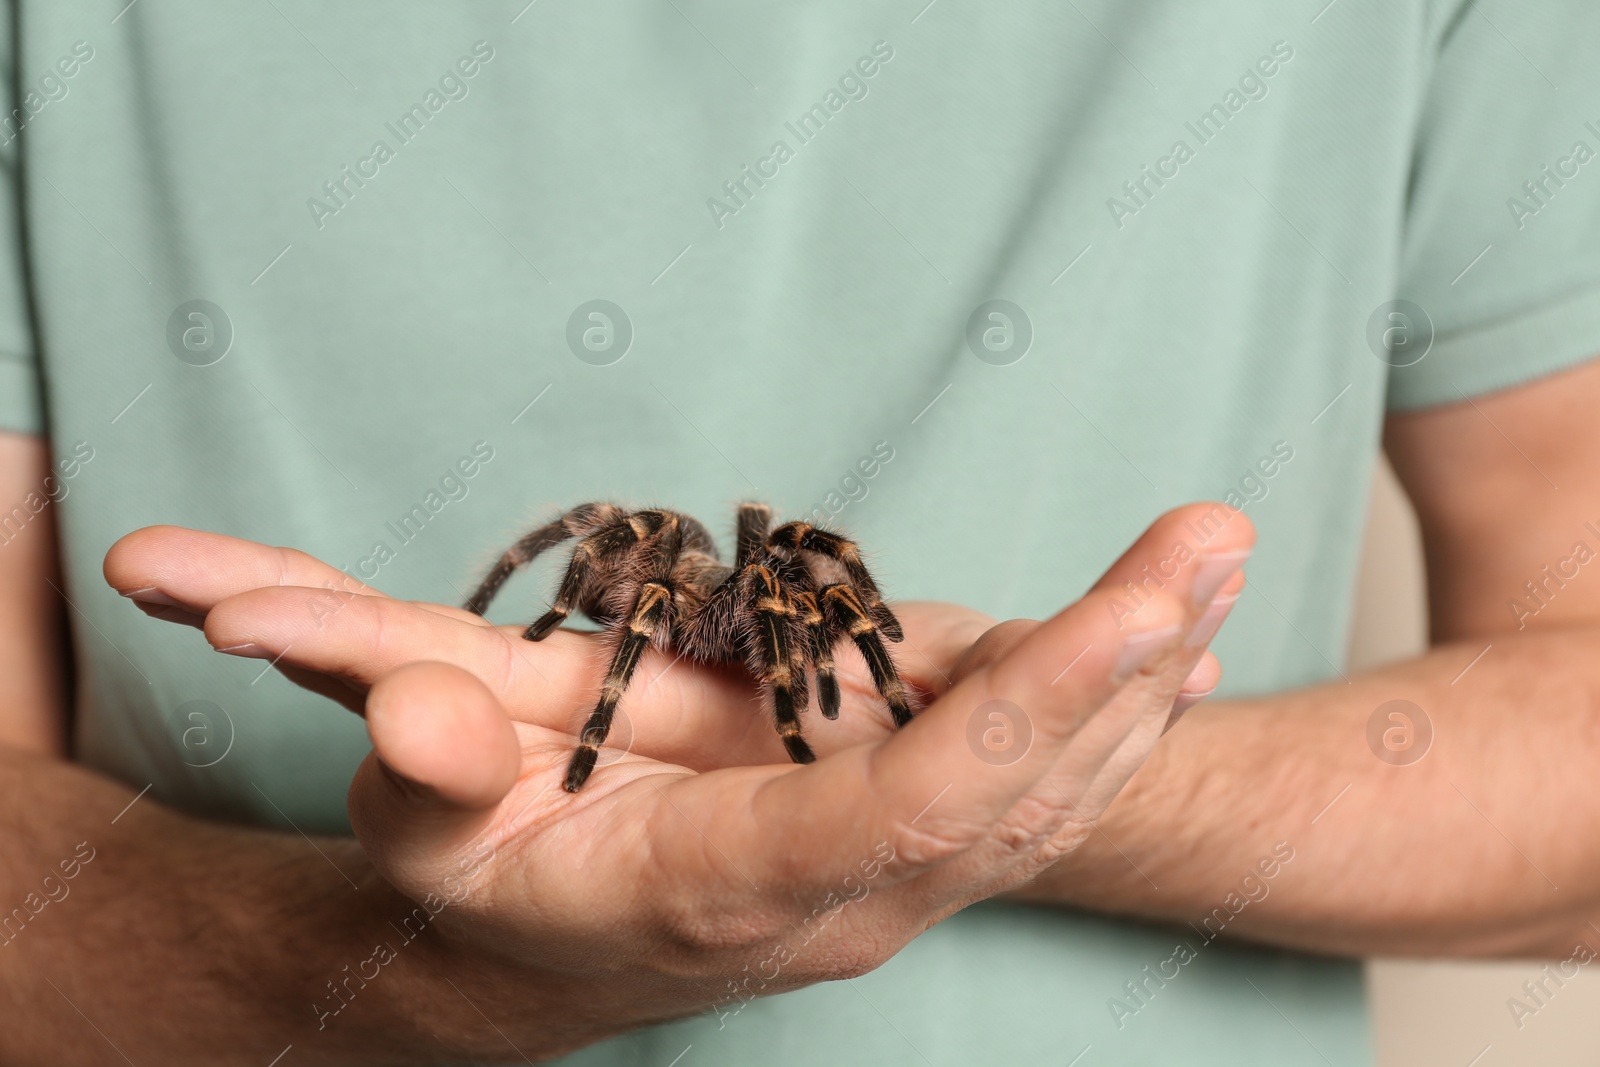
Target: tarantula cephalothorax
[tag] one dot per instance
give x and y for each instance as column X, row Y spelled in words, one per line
column 654, row 577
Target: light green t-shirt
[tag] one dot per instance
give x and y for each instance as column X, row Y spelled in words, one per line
column 397, row 222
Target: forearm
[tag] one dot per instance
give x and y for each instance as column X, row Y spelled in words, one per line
column 180, row 941
column 1488, row 845
column 33, row 676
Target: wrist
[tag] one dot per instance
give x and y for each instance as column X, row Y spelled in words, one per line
column 464, row 996
column 1108, row 871
column 354, row 972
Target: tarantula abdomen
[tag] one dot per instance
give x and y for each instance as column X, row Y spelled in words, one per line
column 654, row 577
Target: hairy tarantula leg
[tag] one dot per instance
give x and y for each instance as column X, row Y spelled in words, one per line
column 653, row 608
column 583, row 519
column 847, row 608
column 794, row 536
column 822, row 638
column 775, row 616
column 650, row 610
column 597, row 545
column 751, row 532
column 518, row 555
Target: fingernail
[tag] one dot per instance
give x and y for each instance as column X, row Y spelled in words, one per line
column 249, row 649
column 151, row 595
column 1207, row 625
column 1215, row 569
column 1138, row 649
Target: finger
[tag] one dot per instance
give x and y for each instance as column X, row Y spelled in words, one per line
column 1140, row 713
column 361, row 639
column 929, row 791
column 444, row 755
column 175, row 567
column 1145, row 703
column 1061, row 809
column 676, row 712
column 1196, row 547
column 1202, row 681
column 937, row 637
column 993, row 645
column 169, row 614
column 1184, row 702
column 1200, row 684
column 440, row 730
column 1208, row 541
column 1156, row 691
column 1057, row 680
column 352, row 696
column 1194, row 552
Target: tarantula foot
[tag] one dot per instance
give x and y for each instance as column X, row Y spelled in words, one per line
column 542, row 627
column 799, row 751
column 583, row 761
column 828, row 694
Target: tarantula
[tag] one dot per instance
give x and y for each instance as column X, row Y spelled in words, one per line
column 654, row 577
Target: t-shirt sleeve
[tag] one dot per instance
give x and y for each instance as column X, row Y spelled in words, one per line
column 21, row 390
column 1502, row 229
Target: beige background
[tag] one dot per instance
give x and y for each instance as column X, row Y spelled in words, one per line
column 1428, row 1014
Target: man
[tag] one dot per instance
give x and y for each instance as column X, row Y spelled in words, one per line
column 989, row 289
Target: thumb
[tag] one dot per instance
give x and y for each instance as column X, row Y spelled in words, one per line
column 444, row 755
